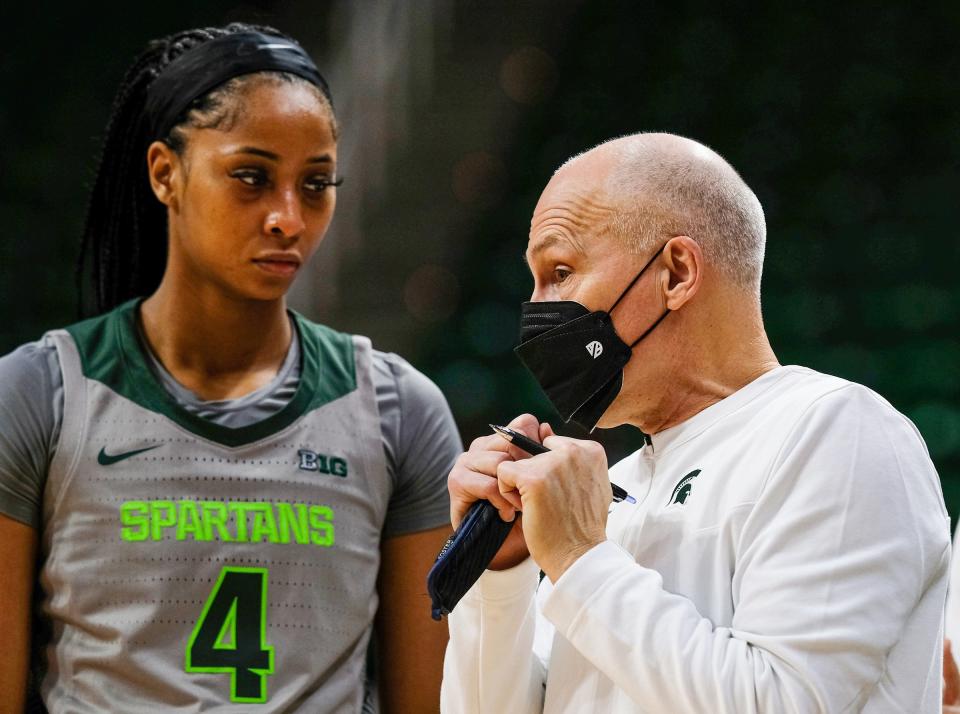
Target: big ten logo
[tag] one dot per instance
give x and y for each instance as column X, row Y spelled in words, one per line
column 312, row 461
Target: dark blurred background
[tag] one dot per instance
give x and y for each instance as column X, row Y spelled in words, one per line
column 843, row 117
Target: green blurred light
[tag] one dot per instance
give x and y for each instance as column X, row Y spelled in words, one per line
column 804, row 313
column 512, row 276
column 893, row 247
column 852, row 362
column 940, row 426
column 918, row 369
column 491, row 328
column 917, row 307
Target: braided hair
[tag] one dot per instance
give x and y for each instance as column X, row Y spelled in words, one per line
column 124, row 245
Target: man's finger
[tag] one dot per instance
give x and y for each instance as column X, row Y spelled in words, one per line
column 485, row 462
column 474, row 478
column 514, row 498
column 490, row 442
column 527, row 425
column 554, row 442
column 507, row 474
column 545, row 431
column 469, row 487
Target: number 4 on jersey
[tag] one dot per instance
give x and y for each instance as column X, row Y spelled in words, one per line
column 230, row 636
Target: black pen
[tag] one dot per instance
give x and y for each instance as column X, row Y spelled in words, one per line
column 533, row 448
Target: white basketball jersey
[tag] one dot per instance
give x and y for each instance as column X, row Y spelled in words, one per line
column 189, row 566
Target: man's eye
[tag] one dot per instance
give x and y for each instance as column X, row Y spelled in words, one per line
column 560, row 275
column 251, row 177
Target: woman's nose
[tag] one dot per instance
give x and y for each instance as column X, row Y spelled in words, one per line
column 285, row 220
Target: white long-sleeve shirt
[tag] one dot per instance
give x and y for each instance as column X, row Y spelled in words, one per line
column 952, row 623
column 788, row 552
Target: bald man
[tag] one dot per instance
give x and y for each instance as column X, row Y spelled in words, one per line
column 788, row 547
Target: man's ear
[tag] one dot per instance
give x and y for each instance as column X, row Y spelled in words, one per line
column 165, row 171
column 683, row 259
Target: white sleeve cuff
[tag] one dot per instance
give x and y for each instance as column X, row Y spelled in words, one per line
column 516, row 583
column 581, row 581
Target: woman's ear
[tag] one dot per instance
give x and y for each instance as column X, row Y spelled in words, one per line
column 163, row 168
column 683, row 259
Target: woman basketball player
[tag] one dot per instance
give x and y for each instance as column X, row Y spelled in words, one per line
column 207, row 500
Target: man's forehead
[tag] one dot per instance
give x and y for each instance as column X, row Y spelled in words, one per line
column 570, row 210
column 539, row 243
column 579, row 185
column 574, row 206
column 583, row 176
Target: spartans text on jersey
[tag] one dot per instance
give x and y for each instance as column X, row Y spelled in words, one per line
column 227, row 521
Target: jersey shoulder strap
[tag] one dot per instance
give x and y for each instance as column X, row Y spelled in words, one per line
column 329, row 358
column 101, row 343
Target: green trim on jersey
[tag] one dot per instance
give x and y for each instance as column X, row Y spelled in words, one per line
column 111, row 353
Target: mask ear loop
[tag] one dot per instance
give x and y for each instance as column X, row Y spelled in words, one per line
column 649, row 329
column 636, row 278
column 627, row 289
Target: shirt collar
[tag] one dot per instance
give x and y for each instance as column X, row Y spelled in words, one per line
column 663, row 441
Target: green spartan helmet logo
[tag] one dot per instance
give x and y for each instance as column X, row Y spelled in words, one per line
column 683, row 488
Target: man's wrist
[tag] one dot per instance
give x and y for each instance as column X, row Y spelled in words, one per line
column 556, row 567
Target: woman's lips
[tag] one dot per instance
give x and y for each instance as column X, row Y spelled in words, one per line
column 276, row 266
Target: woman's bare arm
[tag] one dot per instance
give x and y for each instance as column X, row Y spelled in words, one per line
column 18, row 548
column 411, row 644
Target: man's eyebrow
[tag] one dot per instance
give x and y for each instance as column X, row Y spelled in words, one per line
column 321, row 159
column 548, row 242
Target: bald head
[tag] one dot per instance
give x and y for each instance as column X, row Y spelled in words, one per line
column 662, row 185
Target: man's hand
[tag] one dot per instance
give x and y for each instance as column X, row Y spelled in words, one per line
column 474, row 477
column 564, row 496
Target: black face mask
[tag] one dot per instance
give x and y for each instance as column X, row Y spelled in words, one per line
column 576, row 355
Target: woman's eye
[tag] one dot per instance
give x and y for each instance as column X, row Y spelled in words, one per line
column 251, row 177
column 318, row 184
column 560, row 275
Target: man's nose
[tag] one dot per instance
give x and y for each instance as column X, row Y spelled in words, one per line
column 542, row 293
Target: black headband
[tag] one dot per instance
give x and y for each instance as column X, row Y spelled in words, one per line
column 206, row 66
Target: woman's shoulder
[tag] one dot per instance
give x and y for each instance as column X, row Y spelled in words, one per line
column 413, row 388
column 29, row 364
column 31, row 407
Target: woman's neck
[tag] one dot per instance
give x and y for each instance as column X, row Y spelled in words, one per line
column 216, row 346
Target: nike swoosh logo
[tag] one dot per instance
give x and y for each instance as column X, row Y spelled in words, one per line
column 105, row 459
